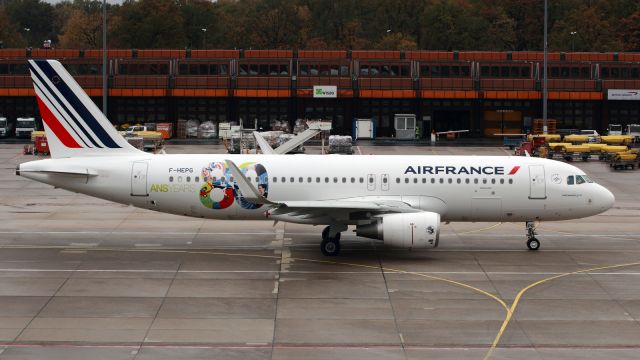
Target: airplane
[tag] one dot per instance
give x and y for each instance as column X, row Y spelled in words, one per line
column 400, row 200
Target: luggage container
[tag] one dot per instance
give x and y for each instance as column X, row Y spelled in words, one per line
column 41, row 145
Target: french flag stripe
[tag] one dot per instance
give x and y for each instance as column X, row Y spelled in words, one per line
column 77, row 105
column 57, row 113
column 514, row 170
column 60, row 132
column 55, row 99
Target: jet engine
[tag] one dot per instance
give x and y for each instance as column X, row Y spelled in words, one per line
column 407, row 230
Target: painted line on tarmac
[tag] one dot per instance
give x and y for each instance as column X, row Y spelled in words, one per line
column 521, row 293
column 29, row 270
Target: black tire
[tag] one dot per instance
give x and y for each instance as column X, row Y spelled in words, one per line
column 533, row 244
column 331, row 247
column 325, row 233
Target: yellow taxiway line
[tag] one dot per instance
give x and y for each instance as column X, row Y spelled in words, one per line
column 521, row 293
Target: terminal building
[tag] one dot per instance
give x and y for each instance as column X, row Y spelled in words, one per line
column 484, row 92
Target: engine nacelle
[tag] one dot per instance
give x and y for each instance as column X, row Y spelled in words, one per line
column 408, row 230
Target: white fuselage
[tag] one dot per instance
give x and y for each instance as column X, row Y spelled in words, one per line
column 459, row 188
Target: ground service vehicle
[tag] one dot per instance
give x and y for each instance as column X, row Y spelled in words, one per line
column 24, row 127
column 5, row 129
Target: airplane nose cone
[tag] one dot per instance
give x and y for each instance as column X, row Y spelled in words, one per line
column 605, row 198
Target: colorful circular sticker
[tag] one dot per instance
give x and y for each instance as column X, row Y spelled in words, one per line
column 220, row 190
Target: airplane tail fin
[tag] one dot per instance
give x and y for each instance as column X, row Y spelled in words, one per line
column 74, row 125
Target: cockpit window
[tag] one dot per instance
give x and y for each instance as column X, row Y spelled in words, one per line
column 580, row 179
column 570, row 180
column 586, row 178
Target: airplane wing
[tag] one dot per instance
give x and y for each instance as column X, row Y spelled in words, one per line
column 335, row 210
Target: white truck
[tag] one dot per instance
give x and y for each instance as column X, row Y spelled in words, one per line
column 5, row 128
column 25, row 126
column 634, row 130
column 614, row 129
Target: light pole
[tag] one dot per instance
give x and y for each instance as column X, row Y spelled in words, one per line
column 573, row 38
column 27, row 30
column 204, row 37
column 105, row 79
column 544, row 74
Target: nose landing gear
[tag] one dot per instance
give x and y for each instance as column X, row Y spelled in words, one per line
column 532, row 242
column 330, row 245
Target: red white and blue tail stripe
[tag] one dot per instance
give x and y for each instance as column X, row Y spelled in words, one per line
column 74, row 125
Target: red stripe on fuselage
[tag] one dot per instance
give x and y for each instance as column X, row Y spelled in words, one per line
column 55, row 126
column 514, row 170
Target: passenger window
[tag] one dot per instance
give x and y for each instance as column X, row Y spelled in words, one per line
column 335, row 179
column 384, row 179
column 415, row 180
column 406, row 180
column 475, row 181
column 433, row 180
column 326, row 179
column 188, row 178
column 284, row 179
column 317, row 179
column 300, row 179
column 309, row 180
column 450, row 180
column 570, row 180
column 170, row 178
column 397, row 180
column 197, row 179
column 459, row 180
column 493, row 181
column 484, row 181
column 424, row 180
column 361, row 180
column 501, row 181
column 353, row 180
column 344, row 180
column 466, row 181
column 510, row 181
column 292, row 179
column 441, row 181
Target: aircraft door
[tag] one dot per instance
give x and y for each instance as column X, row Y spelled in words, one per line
column 371, row 182
column 385, row 182
column 139, row 178
column 537, row 185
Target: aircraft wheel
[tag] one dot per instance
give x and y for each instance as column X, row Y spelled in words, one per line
column 533, row 244
column 331, row 247
column 325, row 233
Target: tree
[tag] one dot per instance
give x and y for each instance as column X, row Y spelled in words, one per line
column 631, row 32
column 82, row 31
column 9, row 33
column 148, row 24
column 35, row 15
column 593, row 32
column 453, row 25
column 397, row 41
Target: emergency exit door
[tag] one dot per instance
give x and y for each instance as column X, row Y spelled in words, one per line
column 537, row 185
column 139, row 178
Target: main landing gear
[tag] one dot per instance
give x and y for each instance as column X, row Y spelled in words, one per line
column 330, row 245
column 532, row 242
